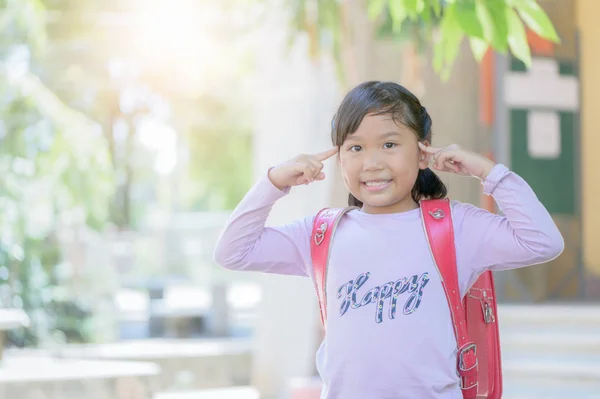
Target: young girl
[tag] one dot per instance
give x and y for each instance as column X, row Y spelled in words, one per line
column 382, row 137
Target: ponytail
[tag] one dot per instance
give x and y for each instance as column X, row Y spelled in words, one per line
column 428, row 186
column 352, row 201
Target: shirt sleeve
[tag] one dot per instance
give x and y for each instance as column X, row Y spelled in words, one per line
column 525, row 235
column 247, row 244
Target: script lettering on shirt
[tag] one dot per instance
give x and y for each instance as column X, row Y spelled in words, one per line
column 383, row 295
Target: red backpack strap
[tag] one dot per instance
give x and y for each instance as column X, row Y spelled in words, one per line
column 437, row 219
column 320, row 243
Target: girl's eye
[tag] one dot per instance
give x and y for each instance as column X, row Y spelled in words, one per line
column 389, row 145
column 355, row 148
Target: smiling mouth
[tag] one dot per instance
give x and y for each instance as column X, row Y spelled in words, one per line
column 375, row 185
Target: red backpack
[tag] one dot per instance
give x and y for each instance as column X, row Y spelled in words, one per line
column 475, row 317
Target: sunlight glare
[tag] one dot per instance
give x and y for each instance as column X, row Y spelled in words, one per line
column 162, row 139
column 172, row 30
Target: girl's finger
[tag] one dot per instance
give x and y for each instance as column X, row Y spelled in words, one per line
column 301, row 180
column 445, row 158
column 321, row 156
column 307, row 178
column 429, row 149
column 436, row 156
column 311, row 172
column 304, row 180
column 455, row 168
column 450, row 166
column 437, row 167
column 317, row 164
column 439, row 159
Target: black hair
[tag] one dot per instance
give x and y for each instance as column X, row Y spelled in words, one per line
column 380, row 98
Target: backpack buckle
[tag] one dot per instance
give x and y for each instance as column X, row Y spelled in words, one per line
column 461, row 357
column 467, row 374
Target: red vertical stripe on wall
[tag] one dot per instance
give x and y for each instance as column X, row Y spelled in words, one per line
column 487, row 98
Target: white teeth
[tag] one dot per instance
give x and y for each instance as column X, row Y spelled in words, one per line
column 376, row 183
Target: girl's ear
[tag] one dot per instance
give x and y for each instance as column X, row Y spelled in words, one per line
column 424, row 157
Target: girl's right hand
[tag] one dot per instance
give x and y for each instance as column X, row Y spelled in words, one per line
column 302, row 169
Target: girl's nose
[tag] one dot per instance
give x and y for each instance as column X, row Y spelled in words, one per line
column 372, row 161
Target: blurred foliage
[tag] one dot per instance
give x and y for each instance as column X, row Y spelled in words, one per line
column 128, row 79
column 76, row 85
column 220, row 148
column 220, row 179
column 499, row 24
column 55, row 172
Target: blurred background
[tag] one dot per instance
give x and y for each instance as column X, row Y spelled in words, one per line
column 130, row 129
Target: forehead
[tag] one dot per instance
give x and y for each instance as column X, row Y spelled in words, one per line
column 373, row 126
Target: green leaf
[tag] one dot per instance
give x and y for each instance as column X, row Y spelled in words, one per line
column 517, row 38
column 537, row 20
column 420, row 7
column 411, row 8
column 498, row 9
column 455, row 37
column 426, row 15
column 375, row 8
column 422, row 12
column 468, row 20
column 493, row 21
column 398, row 13
column 446, row 49
column 479, row 47
column 487, row 22
column 437, row 7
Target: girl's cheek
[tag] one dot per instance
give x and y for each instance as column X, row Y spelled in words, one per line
column 343, row 157
column 347, row 162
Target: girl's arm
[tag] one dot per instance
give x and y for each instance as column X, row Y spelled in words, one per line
column 246, row 244
column 524, row 236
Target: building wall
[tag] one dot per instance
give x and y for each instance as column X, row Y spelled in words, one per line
column 587, row 14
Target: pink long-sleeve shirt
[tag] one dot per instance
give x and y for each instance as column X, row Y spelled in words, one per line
column 381, row 346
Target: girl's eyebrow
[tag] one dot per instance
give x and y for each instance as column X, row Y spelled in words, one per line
column 353, row 137
column 389, row 134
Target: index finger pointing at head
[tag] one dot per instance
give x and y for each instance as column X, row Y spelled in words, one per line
column 429, row 149
column 321, row 156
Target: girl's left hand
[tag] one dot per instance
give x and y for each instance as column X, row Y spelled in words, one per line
column 456, row 160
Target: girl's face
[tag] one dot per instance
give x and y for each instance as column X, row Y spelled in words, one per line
column 380, row 163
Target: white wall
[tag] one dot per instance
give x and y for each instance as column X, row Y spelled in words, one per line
column 295, row 100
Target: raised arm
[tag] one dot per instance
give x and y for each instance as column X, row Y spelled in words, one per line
column 525, row 235
column 247, row 244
